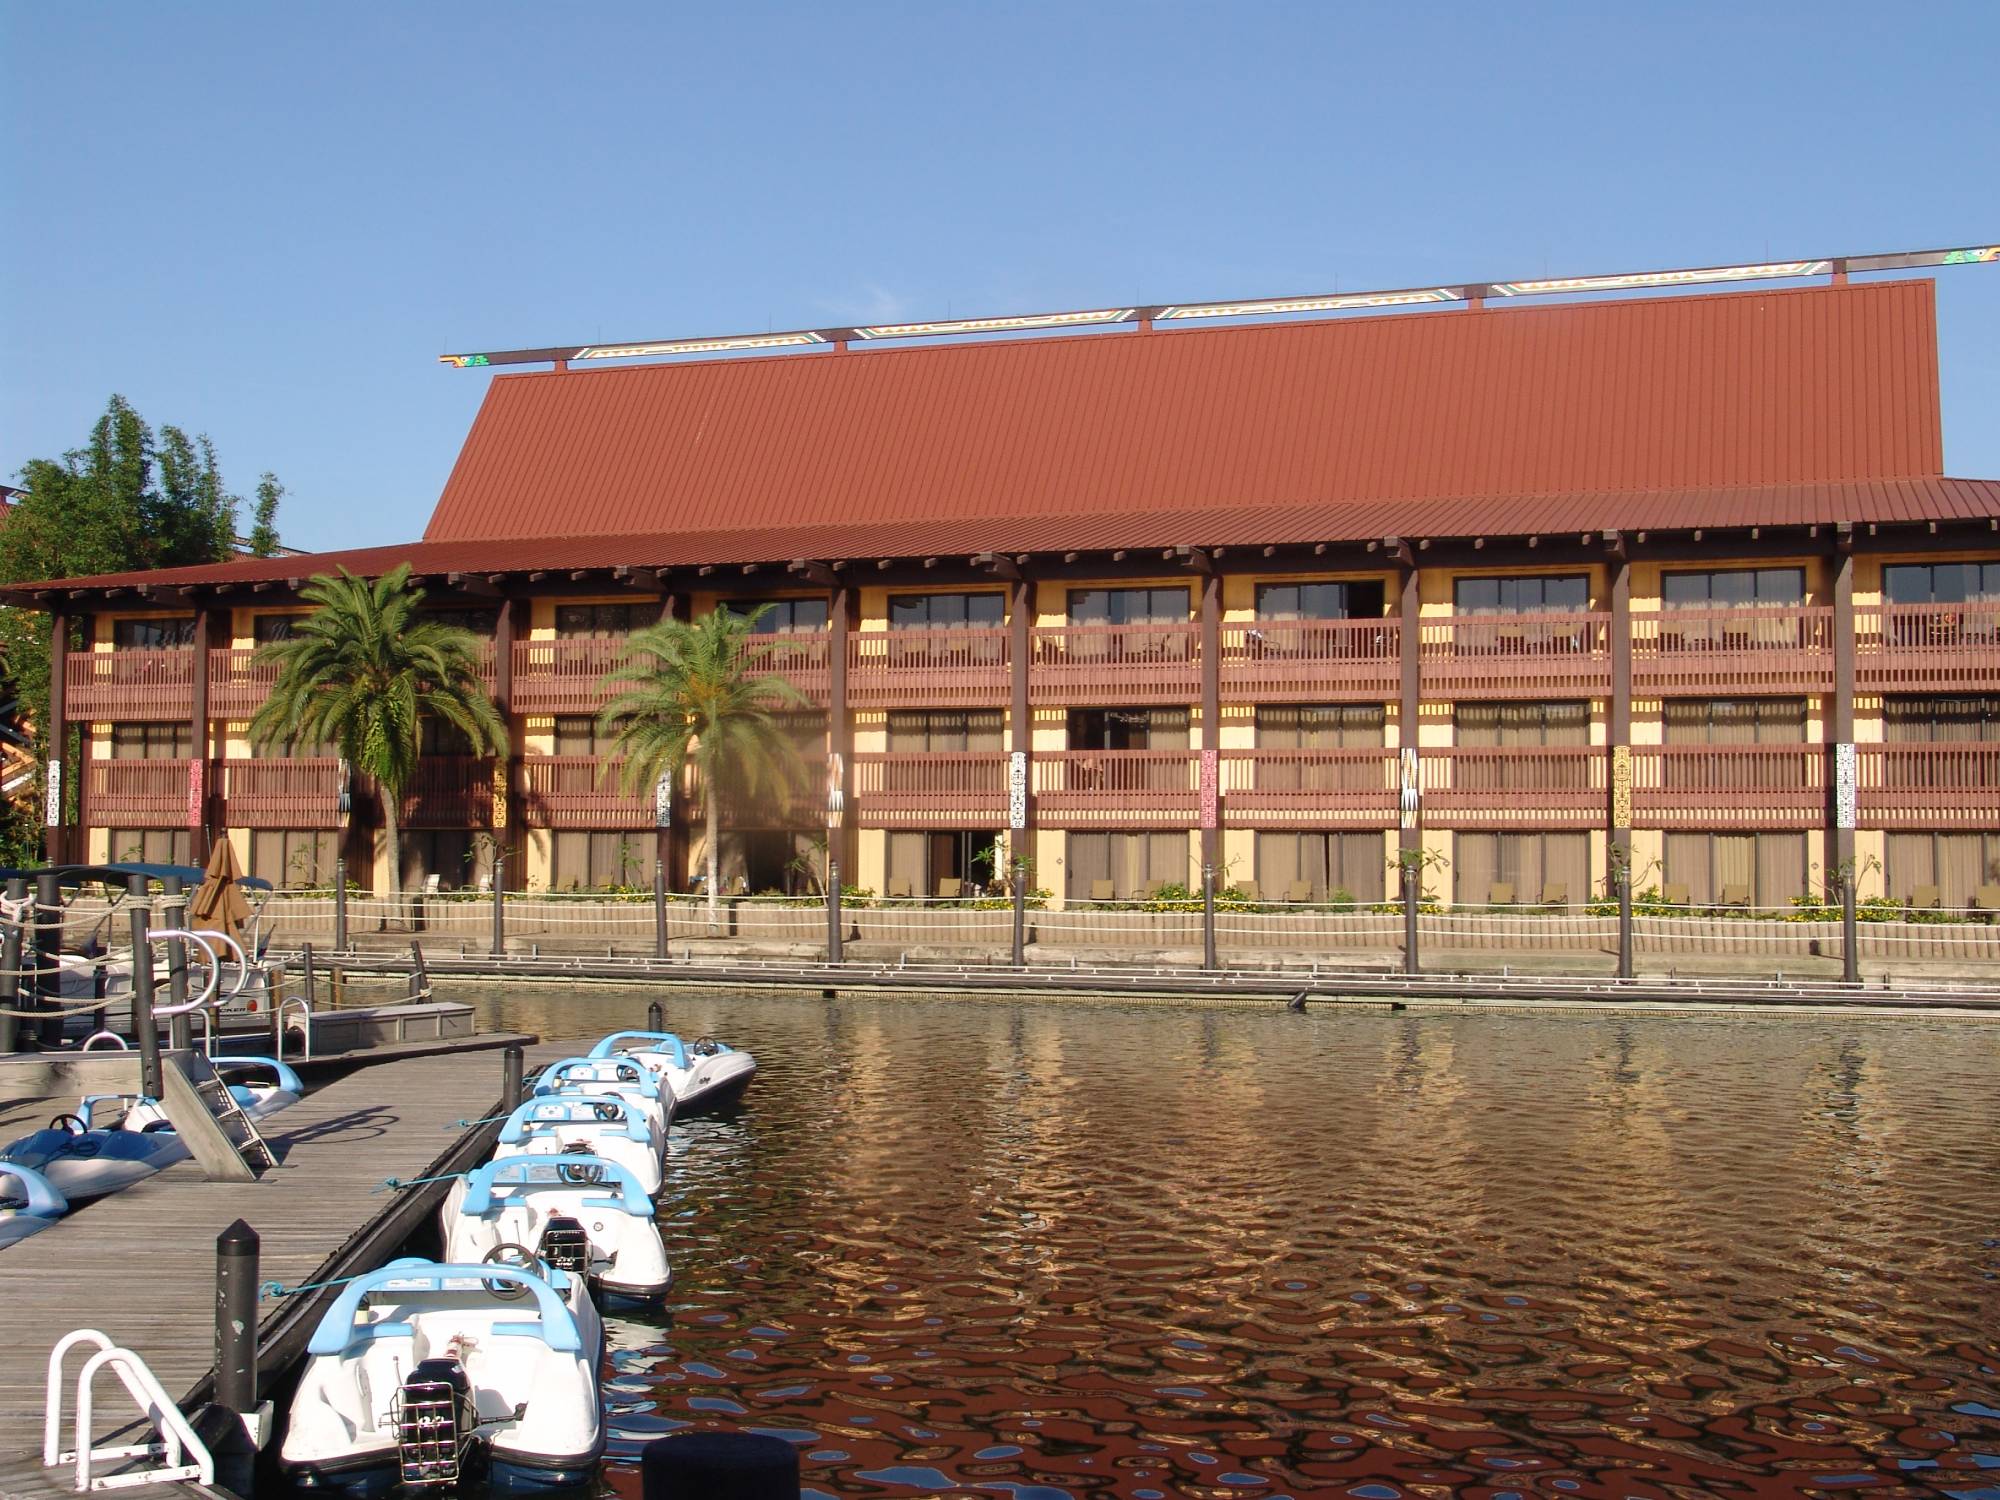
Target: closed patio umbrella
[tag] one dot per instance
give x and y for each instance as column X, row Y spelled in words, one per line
column 219, row 903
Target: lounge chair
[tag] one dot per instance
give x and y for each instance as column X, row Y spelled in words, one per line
column 1736, row 895
column 1300, row 891
column 1500, row 893
column 1925, row 898
column 1245, row 890
column 1674, row 893
column 899, row 889
column 1987, row 899
column 1102, row 890
column 1555, row 893
column 949, row 887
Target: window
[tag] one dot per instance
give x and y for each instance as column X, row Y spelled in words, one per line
column 294, row 858
column 1124, row 866
column 448, row 853
column 1129, row 606
column 151, row 846
column 1734, row 721
column 1762, row 870
column 1958, row 864
column 481, row 622
column 784, row 614
column 920, row 863
column 1320, row 726
column 1499, row 724
column 946, row 611
column 1941, row 583
column 945, row 729
column 151, row 742
column 1526, row 869
column 1525, row 594
column 440, row 737
column 1703, row 590
column 153, row 634
column 1359, row 599
column 595, row 621
column 586, row 860
column 1128, row 729
column 578, row 734
column 1320, row 866
column 268, row 628
column 1928, row 718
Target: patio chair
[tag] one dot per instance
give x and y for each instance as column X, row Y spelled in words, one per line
column 1555, row 893
column 1103, row 890
column 1300, row 891
column 1245, row 890
column 949, row 887
column 1500, row 893
column 1925, row 898
column 1736, row 895
column 1674, row 893
column 899, row 889
column 1987, row 899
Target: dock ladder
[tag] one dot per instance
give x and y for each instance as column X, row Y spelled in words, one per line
column 183, row 1455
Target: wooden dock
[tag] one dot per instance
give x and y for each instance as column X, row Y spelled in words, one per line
column 140, row 1265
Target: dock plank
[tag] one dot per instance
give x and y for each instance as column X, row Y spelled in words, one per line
column 140, row 1265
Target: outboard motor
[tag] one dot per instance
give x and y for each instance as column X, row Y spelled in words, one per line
column 434, row 1423
column 565, row 1246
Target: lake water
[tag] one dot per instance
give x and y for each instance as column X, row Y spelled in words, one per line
column 977, row 1248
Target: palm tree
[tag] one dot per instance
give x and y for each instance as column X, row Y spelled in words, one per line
column 364, row 671
column 698, row 688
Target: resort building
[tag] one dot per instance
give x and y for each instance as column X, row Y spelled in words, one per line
column 1501, row 589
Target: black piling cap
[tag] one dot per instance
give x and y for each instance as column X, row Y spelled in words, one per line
column 238, row 1239
column 707, row 1465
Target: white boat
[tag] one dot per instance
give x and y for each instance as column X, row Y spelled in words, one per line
column 83, row 1160
column 422, row 1373
column 606, row 1125
column 585, row 1214
column 261, row 1086
column 701, row 1074
column 29, row 1203
column 622, row 1077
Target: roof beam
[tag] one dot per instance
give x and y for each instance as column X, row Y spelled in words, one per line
column 1001, row 567
column 639, row 578
column 813, row 572
column 478, row 585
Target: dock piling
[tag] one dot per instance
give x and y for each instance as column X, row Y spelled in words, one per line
column 1208, row 916
column 1412, row 889
column 833, row 934
column 511, row 1076
column 173, row 913
column 659, row 911
column 48, row 957
column 340, row 906
column 499, row 905
column 420, row 976
column 10, row 965
column 236, row 1319
column 145, row 1028
column 656, row 1019
column 1020, row 914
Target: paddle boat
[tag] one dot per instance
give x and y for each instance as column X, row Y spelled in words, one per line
column 700, row 1074
column 618, row 1077
column 261, row 1086
column 584, row 1214
column 606, row 1125
column 82, row 1160
column 425, row 1374
column 29, row 1203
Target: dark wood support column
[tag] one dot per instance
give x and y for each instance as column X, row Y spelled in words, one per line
column 841, row 602
column 1410, row 816
column 55, row 775
column 1211, row 719
column 1841, row 770
column 1619, row 748
column 1020, row 712
column 510, row 838
column 670, row 844
column 201, row 794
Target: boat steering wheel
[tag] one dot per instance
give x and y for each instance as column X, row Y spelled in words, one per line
column 74, row 1124
column 510, row 1253
column 607, row 1110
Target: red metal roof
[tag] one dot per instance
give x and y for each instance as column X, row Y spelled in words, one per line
column 1821, row 385
column 1887, row 501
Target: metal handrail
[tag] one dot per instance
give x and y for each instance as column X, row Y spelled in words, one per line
column 178, row 1441
column 105, row 1036
column 306, row 1031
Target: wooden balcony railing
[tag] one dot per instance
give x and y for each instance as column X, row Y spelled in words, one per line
column 803, row 805
column 1311, row 661
column 931, row 789
column 129, row 684
column 450, row 791
column 581, row 791
column 1706, row 652
column 1944, row 784
column 937, row 668
column 1289, row 788
column 1527, row 785
column 565, row 676
column 1115, row 664
column 140, row 793
column 800, row 657
column 1729, row 786
column 1083, row 788
column 1551, row 655
column 269, row 793
column 238, row 683
column 1927, row 648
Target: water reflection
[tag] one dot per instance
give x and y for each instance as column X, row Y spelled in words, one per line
column 1043, row 1251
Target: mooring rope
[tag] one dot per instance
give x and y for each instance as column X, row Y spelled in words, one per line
column 396, row 1184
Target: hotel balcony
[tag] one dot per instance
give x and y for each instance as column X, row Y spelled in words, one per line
column 1555, row 655
column 1091, row 664
column 129, row 684
column 1310, row 788
column 301, row 793
column 580, row 791
column 139, row 793
column 941, row 789
column 1938, row 785
column 1522, row 785
column 564, row 677
column 1113, row 788
column 238, row 683
column 1748, row 650
column 936, row 668
column 1312, row 661
column 450, row 791
column 1729, row 786
column 1927, row 648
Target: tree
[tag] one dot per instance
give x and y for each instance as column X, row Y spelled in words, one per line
column 126, row 500
column 264, row 531
column 364, row 671
column 697, row 688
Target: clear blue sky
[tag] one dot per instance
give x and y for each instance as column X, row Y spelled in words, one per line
column 266, row 221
